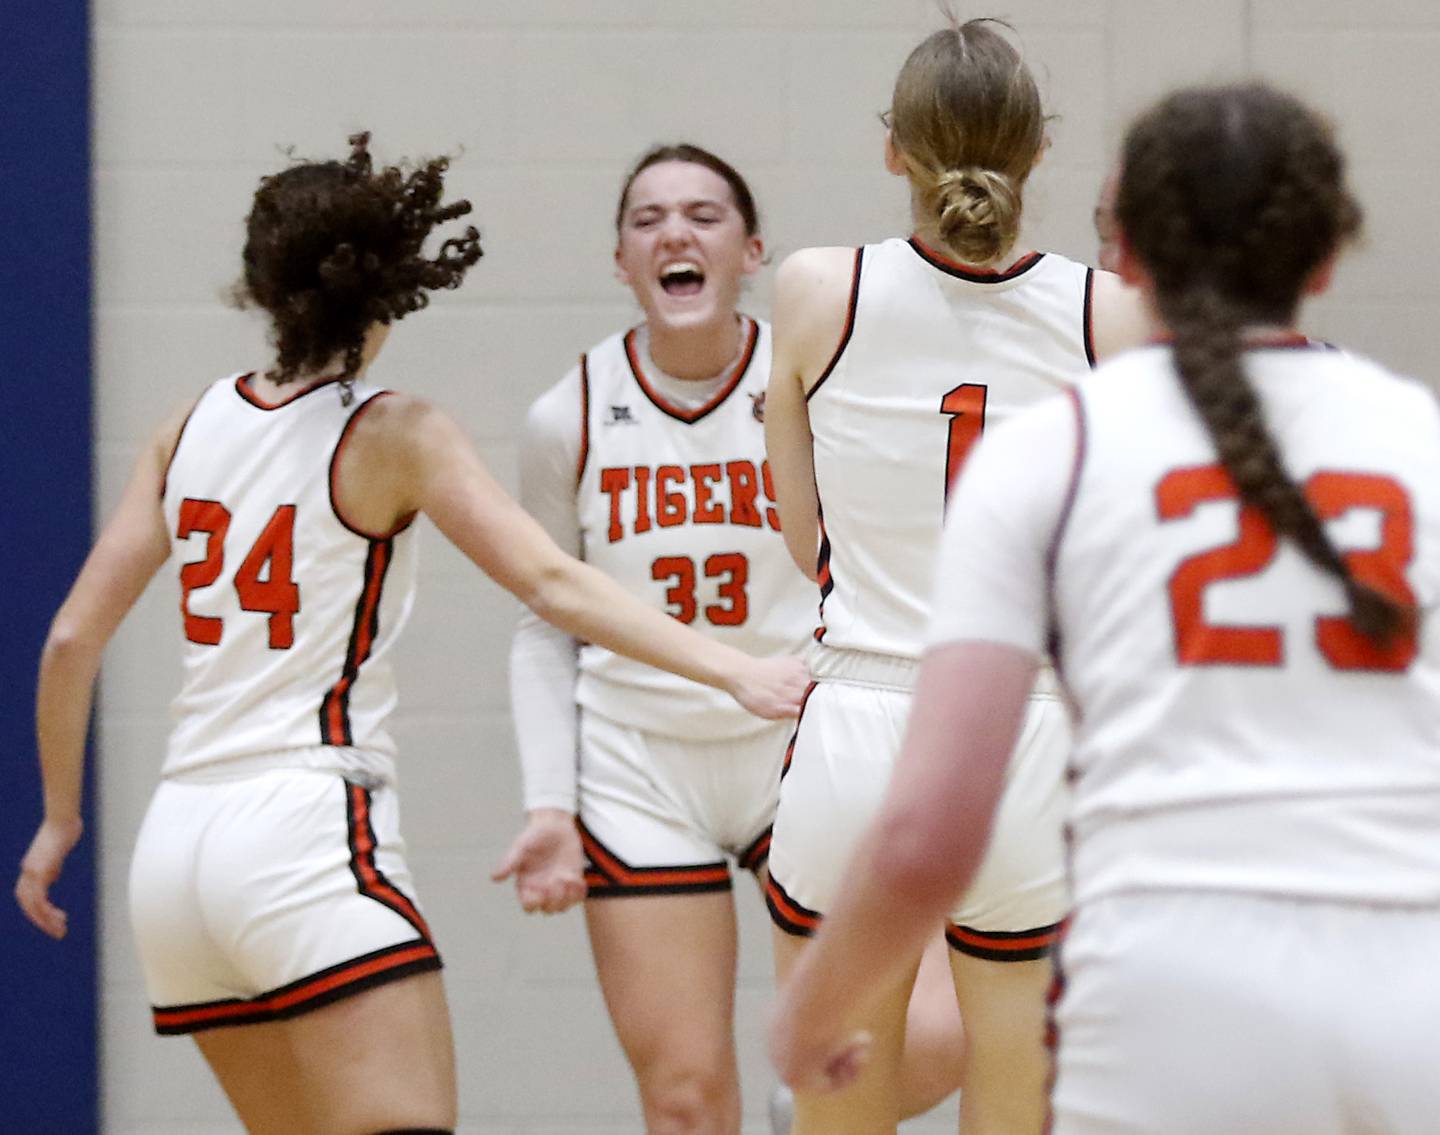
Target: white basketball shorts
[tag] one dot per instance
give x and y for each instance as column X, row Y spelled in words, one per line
column 837, row 771
column 262, row 897
column 1194, row 1013
column 658, row 815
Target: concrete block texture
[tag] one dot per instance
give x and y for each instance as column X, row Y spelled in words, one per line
column 543, row 106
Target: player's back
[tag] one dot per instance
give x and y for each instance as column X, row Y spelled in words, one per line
column 1236, row 732
column 932, row 352
column 288, row 612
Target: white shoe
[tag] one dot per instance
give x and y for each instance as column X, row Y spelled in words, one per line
column 782, row 1110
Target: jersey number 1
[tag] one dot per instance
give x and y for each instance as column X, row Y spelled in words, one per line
column 965, row 407
column 276, row 595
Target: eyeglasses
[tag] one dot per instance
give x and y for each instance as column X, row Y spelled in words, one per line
column 887, row 119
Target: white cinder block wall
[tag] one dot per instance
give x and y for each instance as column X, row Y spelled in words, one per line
column 546, row 101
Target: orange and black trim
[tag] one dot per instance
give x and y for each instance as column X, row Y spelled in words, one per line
column 788, row 914
column 822, row 572
column 340, row 444
column 370, row 880
column 1004, row 945
column 344, row 979
column 754, row 857
column 1088, row 319
column 335, row 705
column 333, row 984
column 689, row 417
column 242, row 388
column 584, row 458
column 1052, row 1026
column 849, row 325
column 970, row 272
column 795, row 734
column 1052, row 553
column 609, row 876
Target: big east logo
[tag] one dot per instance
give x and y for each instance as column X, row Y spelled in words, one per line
column 665, row 496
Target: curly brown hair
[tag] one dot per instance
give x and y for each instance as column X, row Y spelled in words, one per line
column 332, row 248
column 1232, row 197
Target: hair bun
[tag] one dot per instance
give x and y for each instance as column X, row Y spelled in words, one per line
column 978, row 211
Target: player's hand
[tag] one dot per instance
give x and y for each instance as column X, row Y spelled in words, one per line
column 816, row 1064
column 547, row 862
column 771, row 688
column 40, row 868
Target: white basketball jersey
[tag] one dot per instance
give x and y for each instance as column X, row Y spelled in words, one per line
column 1235, row 732
column 933, row 353
column 678, row 506
column 288, row 613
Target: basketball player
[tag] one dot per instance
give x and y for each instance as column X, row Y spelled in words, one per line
column 889, row 362
column 275, row 914
column 1229, row 540
column 649, row 459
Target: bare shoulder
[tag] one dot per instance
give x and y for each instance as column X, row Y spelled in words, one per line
column 1119, row 316
column 166, row 437
column 397, row 442
column 817, row 272
column 396, row 425
column 811, row 310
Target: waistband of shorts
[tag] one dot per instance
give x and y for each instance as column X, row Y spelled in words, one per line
column 366, row 769
column 864, row 668
column 894, row 672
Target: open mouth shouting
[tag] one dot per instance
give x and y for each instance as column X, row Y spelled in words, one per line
column 682, row 278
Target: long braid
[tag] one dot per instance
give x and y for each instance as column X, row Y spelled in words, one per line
column 1231, row 198
column 1208, row 361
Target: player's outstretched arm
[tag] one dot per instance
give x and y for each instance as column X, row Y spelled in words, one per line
column 441, row 475
column 127, row 555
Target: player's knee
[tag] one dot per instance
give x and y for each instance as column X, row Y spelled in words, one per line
column 687, row 1101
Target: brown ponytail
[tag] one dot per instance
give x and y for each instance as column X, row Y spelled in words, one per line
column 966, row 120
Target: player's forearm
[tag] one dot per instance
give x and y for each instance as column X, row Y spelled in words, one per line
column 65, row 693
column 594, row 608
column 543, row 668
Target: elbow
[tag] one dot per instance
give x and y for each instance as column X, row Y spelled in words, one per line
column 68, row 645
column 550, row 594
column 805, row 557
column 924, row 867
column 66, row 639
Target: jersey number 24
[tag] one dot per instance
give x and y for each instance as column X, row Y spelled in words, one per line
column 273, row 553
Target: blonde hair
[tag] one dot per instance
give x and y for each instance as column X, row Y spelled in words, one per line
column 967, row 122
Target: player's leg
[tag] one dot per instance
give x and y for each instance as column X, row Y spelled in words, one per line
column 871, row 1105
column 381, row 1060
column 662, row 921
column 933, row 1063
column 666, row 965
column 1002, row 933
column 1006, row 1066
column 258, row 1074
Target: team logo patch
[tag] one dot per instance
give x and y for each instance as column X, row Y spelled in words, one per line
column 619, row 414
column 757, row 406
